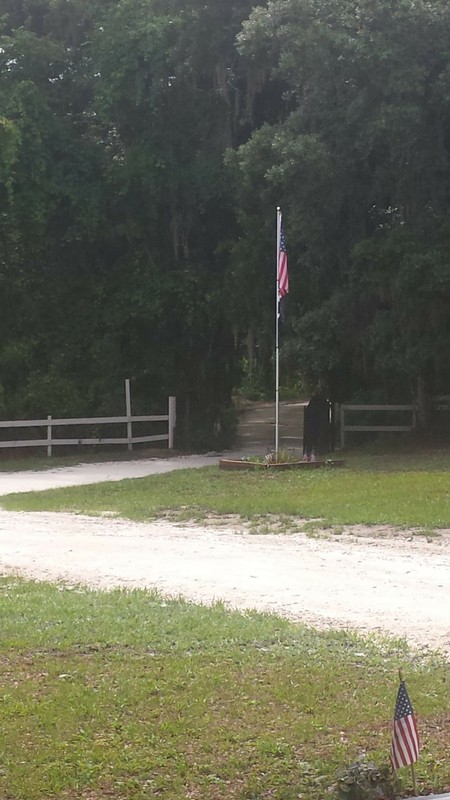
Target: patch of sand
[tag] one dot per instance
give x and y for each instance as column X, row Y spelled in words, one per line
column 390, row 582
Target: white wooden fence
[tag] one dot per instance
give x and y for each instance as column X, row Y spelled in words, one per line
column 49, row 441
column 344, row 409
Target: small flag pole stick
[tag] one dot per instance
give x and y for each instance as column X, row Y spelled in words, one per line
column 277, row 335
column 413, row 771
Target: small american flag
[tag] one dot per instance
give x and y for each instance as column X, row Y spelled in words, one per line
column 283, row 277
column 405, row 737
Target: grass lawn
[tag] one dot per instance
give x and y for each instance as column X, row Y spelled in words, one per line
column 128, row 696
column 392, row 488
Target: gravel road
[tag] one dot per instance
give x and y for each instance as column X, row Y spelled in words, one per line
column 397, row 584
column 390, row 582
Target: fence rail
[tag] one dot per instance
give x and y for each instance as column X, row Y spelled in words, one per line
column 128, row 419
column 441, row 402
column 343, row 409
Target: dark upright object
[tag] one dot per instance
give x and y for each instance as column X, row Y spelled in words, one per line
column 316, row 427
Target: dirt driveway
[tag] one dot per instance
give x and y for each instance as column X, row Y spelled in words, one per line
column 399, row 585
column 393, row 583
column 256, row 429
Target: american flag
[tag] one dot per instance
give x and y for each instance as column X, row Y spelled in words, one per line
column 405, row 737
column 283, row 277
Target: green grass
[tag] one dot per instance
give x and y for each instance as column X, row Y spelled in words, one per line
column 397, row 490
column 127, row 696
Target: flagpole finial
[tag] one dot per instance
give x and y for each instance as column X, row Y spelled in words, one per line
column 278, row 208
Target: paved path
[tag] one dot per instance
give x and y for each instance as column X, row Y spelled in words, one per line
column 38, row 480
column 431, row 797
column 256, row 429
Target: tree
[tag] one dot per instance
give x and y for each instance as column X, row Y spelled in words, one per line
column 116, row 196
column 359, row 161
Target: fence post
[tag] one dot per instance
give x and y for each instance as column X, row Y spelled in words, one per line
column 172, row 420
column 49, row 436
column 334, row 420
column 128, row 413
column 342, row 414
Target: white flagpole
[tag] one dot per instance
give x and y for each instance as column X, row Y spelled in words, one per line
column 277, row 319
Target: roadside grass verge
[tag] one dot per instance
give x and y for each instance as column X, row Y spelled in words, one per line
column 127, row 695
column 398, row 490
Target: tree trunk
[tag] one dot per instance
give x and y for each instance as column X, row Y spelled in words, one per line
column 423, row 404
column 250, row 343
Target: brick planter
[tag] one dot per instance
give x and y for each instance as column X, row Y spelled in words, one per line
column 233, row 464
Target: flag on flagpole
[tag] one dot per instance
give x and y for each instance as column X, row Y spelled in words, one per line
column 405, row 737
column 283, row 277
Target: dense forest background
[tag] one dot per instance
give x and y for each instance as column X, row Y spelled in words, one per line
column 144, row 147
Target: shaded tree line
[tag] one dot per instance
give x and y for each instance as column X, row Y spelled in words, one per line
column 360, row 161
column 144, row 146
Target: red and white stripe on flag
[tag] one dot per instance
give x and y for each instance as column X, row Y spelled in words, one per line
column 283, row 276
column 405, row 736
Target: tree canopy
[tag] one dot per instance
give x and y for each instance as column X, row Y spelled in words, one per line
column 144, row 147
column 360, row 161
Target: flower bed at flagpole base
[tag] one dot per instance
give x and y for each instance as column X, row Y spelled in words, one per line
column 243, row 463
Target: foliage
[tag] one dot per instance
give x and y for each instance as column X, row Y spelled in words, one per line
column 111, row 203
column 359, row 160
column 363, row 780
column 273, row 457
column 144, row 147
